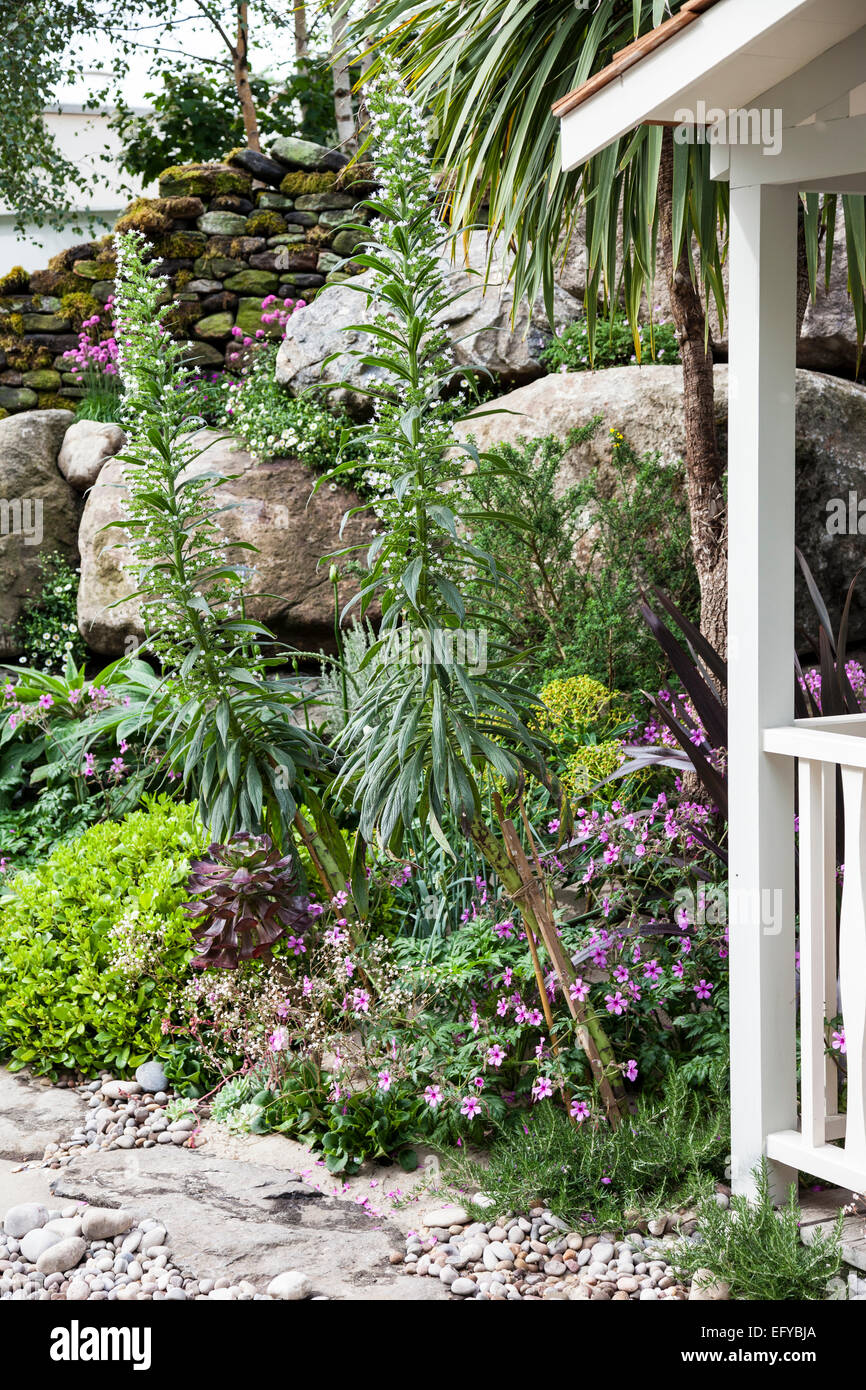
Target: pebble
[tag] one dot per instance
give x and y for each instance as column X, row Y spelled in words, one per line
column 290, row 1285
column 103, row 1223
column 445, row 1216
column 23, row 1218
column 151, row 1077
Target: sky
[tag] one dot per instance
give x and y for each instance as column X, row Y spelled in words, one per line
column 270, row 49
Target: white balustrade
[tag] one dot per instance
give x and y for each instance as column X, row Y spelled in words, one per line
column 821, row 746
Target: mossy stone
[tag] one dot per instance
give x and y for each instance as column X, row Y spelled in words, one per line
column 216, row 267
column 43, row 323
column 253, row 282
column 299, row 182
column 265, row 223
column 305, row 154
column 181, row 245
column 143, row 216
column 289, row 238
column 13, row 398
column 42, row 380
column 268, row 199
column 95, row 270
column 327, row 262
column 346, row 242
column 214, row 326
column 102, row 290
column 321, row 202
column 222, row 223
column 15, row 281
column 202, row 181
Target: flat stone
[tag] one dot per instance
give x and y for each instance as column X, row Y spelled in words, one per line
column 445, row 1216
column 32, row 1116
column 120, row 1090
column 222, row 224
column 230, row 1218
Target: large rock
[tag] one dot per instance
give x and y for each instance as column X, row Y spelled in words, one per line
column 39, row 511
column 87, row 447
column 479, row 324
column 270, row 506
column 646, row 405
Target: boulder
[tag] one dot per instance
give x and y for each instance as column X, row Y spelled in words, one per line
column 39, row 511
column 87, row 447
column 479, row 324
column 270, row 506
column 646, row 405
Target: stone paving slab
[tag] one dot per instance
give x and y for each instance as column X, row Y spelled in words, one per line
column 227, row 1217
column 819, row 1212
column 33, row 1115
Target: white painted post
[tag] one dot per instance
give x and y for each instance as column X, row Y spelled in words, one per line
column 760, row 670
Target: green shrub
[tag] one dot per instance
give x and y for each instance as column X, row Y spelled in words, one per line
column 93, row 941
column 614, row 345
column 628, row 524
column 757, row 1249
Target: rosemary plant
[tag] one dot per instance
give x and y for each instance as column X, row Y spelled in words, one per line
column 445, row 709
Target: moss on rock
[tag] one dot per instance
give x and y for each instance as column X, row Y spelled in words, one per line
column 143, row 215
column 265, row 223
column 15, row 281
column 79, row 306
column 299, row 182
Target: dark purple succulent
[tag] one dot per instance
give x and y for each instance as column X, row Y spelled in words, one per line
column 244, row 901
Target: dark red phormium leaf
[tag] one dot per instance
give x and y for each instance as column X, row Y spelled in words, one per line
column 243, row 899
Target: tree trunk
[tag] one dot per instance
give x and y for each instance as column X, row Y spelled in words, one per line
column 343, row 113
column 301, row 41
column 240, row 64
column 704, row 464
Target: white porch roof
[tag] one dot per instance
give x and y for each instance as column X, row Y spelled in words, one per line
column 729, row 54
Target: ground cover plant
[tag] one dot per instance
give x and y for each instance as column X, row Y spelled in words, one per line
column 93, row 940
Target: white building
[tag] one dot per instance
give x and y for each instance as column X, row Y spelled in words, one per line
column 84, row 137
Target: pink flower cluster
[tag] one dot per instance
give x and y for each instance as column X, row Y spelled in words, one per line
column 279, row 315
column 96, row 355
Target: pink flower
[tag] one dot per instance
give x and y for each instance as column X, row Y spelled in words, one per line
column 478, row 1083
column 702, row 989
column 503, row 930
column 838, row 1043
column 495, row 1055
column 631, row 1070
column 433, row 1096
column 470, row 1106
column 579, row 1111
column 615, row 1003
column 278, row 1040
column 360, row 1001
column 542, row 1087
column 46, row 701
column 579, row 990
column 384, row 1080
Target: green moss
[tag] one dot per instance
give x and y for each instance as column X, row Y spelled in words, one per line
column 143, row 216
column 15, row 281
column 232, row 181
column 179, row 246
column 79, row 306
column 299, row 182
column 16, row 324
column 183, row 278
column 265, row 223
column 49, row 400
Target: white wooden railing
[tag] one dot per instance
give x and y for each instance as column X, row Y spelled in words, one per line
column 828, row 986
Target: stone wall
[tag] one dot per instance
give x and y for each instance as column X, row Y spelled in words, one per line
column 225, row 235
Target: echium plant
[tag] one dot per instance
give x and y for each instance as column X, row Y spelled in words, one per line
column 444, row 715
column 225, row 727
